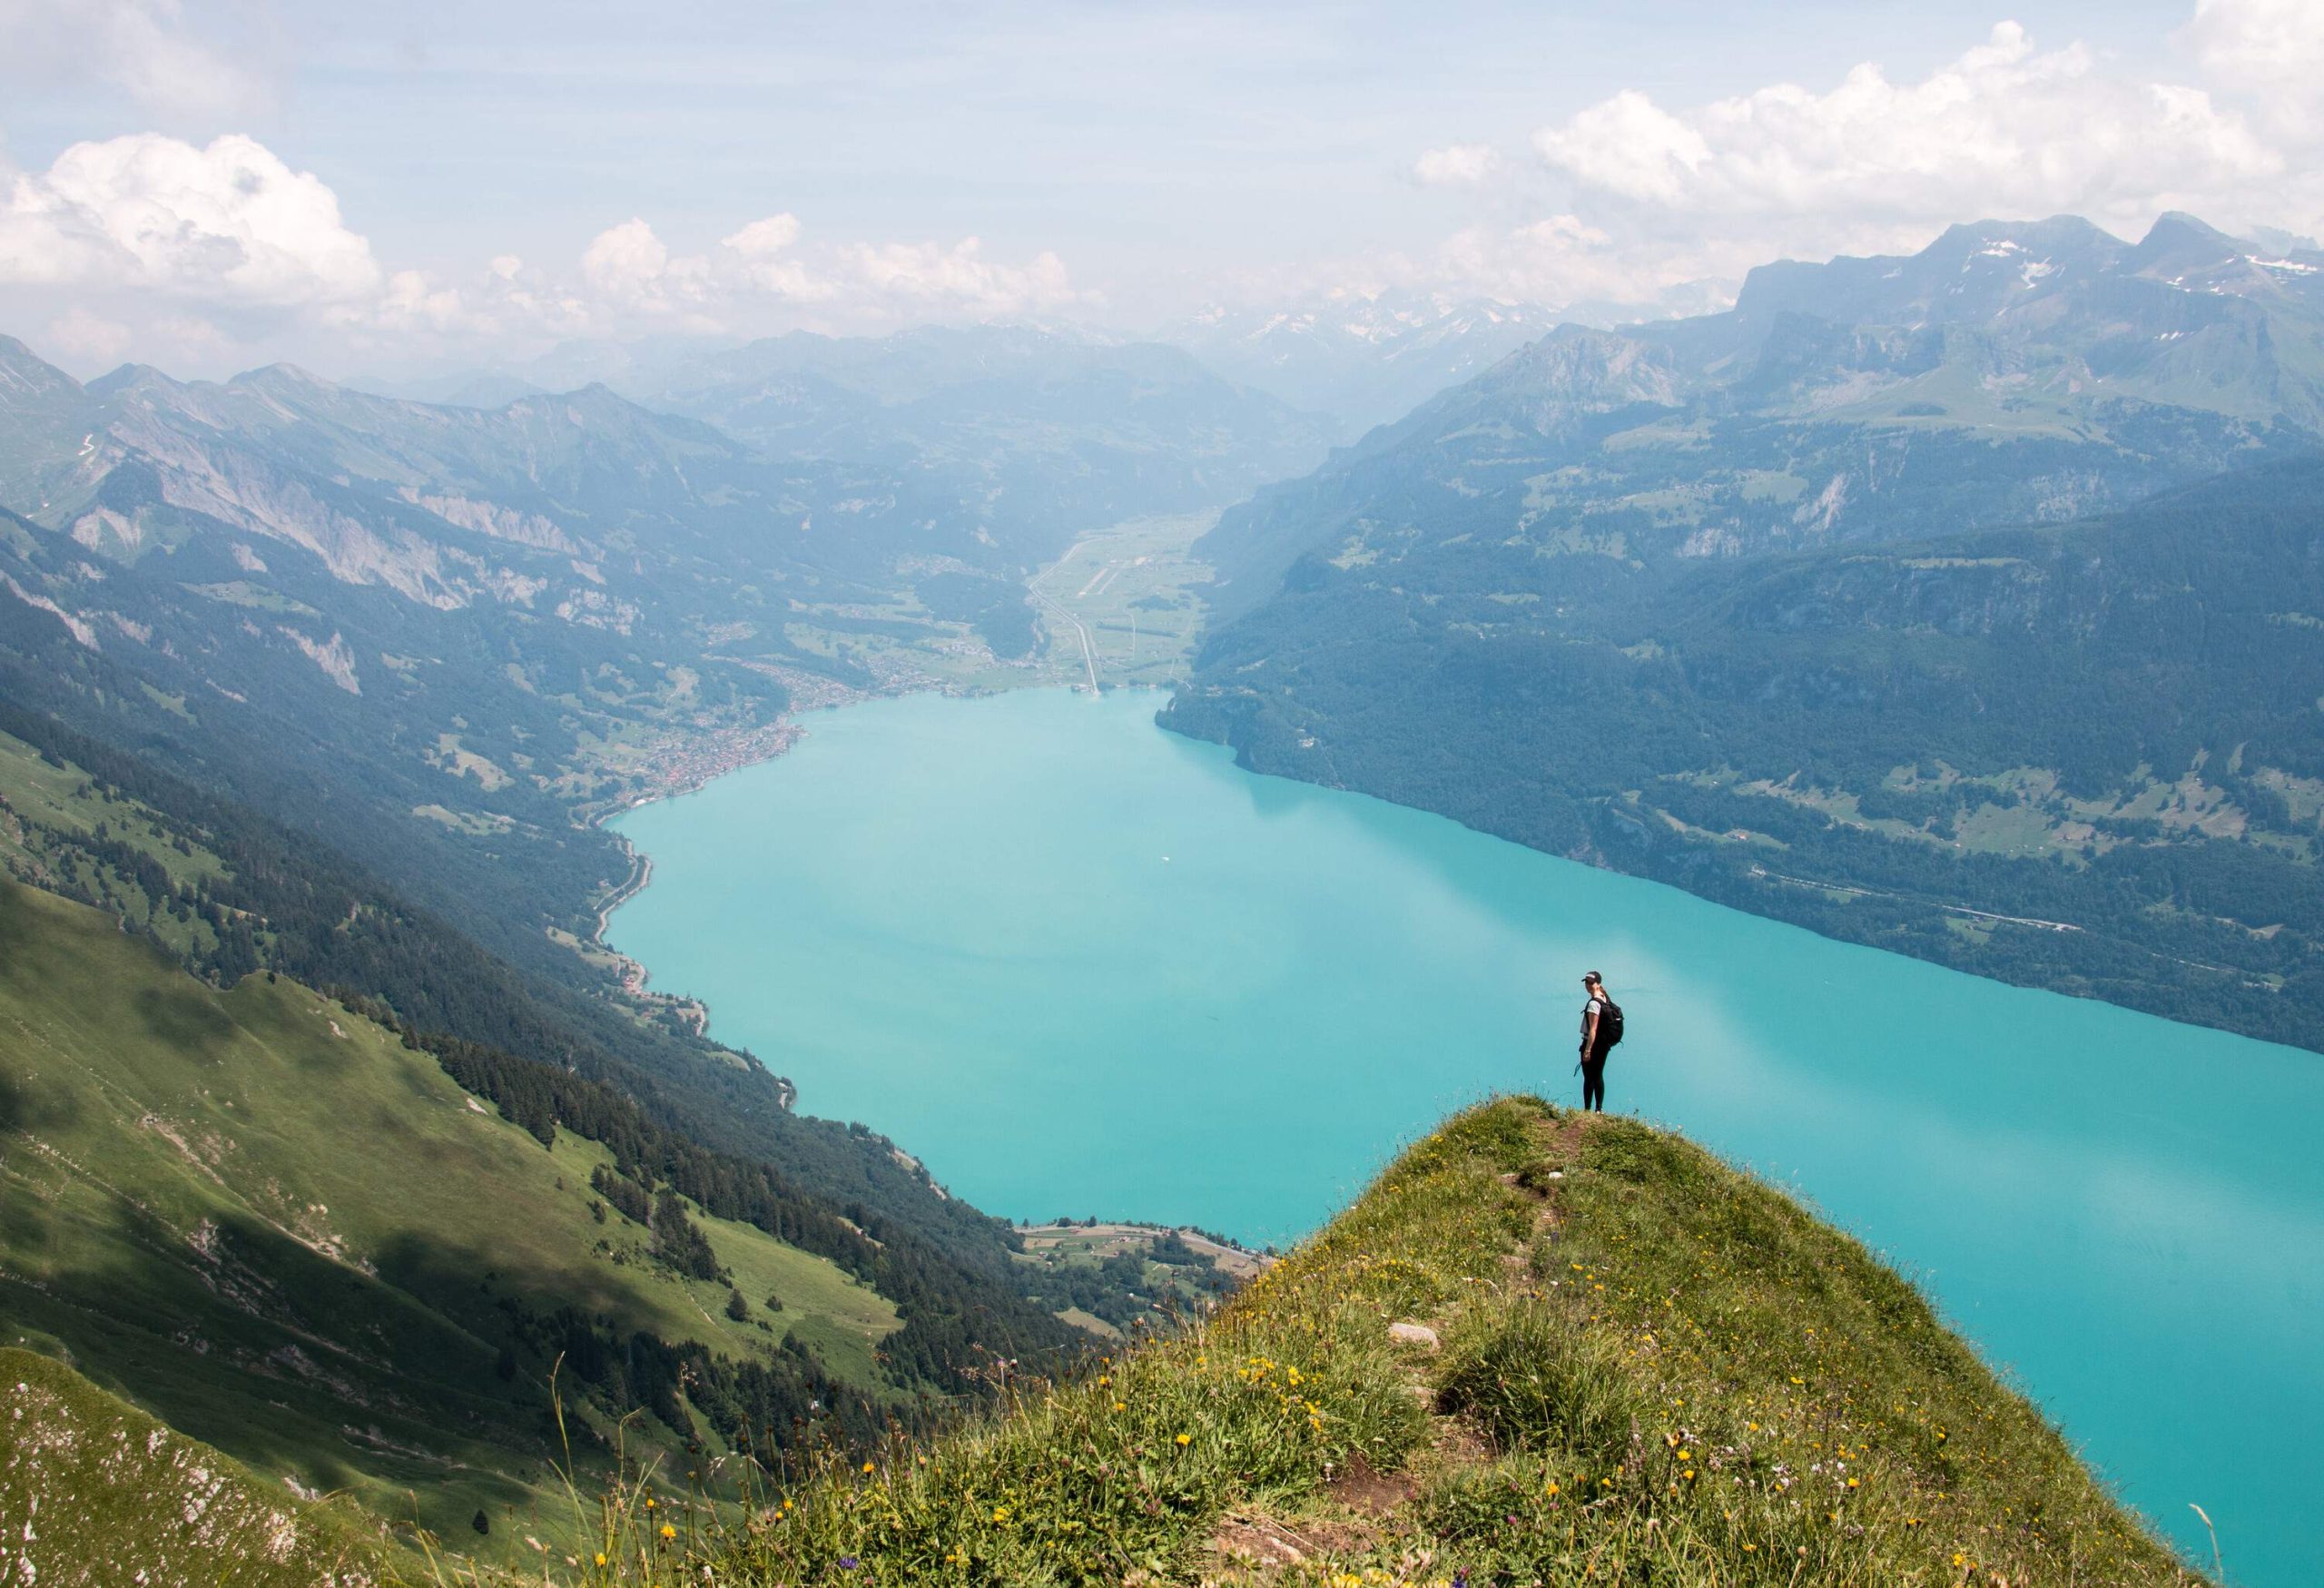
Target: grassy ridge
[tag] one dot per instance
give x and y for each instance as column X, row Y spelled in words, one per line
column 269, row 1222
column 1647, row 1369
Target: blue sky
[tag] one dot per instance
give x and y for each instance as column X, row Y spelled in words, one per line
column 432, row 183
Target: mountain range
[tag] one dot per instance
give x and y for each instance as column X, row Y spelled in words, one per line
column 1967, row 604
column 1363, row 359
column 479, row 620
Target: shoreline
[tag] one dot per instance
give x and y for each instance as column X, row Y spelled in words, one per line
column 775, row 739
column 718, row 754
column 731, row 751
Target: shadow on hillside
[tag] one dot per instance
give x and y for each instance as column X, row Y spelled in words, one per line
column 17, row 938
column 299, row 1366
column 185, row 1016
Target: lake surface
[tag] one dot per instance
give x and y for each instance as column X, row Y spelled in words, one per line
column 1083, row 966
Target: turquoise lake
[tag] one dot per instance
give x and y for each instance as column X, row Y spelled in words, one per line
column 1082, row 966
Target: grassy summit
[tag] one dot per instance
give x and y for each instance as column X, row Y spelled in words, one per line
column 1645, row 1367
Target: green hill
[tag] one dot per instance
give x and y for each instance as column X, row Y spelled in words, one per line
column 287, row 1234
column 1626, row 1362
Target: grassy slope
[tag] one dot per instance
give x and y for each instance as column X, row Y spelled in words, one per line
column 1653, row 1370
column 288, row 1236
column 96, row 1493
column 52, row 796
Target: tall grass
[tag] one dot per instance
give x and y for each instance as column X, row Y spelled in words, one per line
column 1655, row 1371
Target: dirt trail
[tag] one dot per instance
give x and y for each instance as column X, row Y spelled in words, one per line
column 1252, row 1547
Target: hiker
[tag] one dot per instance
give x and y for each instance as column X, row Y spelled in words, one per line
column 1601, row 1028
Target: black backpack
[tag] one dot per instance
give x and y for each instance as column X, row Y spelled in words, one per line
column 1610, row 1025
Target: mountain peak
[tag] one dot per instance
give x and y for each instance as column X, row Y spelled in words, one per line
column 282, row 375
column 27, row 376
column 2178, row 240
column 128, row 378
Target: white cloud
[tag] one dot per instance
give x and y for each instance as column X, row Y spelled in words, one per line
column 140, row 47
column 90, row 337
column 960, row 279
column 1646, row 198
column 761, row 251
column 2004, row 130
column 2271, row 49
column 228, row 222
column 1457, row 165
column 1556, row 261
column 1629, row 145
column 631, row 271
column 760, row 238
column 626, row 262
column 217, row 253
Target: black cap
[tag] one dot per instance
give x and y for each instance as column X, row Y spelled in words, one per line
column 1591, row 978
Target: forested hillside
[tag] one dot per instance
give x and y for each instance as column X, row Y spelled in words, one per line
column 266, row 1219
column 1890, row 602
column 235, row 1078
column 2087, row 757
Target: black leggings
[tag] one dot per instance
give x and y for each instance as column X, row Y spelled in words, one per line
column 1593, row 1084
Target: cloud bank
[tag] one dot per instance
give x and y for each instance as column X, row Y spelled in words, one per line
column 212, row 253
column 209, row 253
column 1645, row 198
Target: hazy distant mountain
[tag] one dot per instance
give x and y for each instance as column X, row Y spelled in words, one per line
column 1039, row 435
column 1746, row 599
column 458, row 391
column 2007, row 372
column 1363, row 360
column 1032, row 436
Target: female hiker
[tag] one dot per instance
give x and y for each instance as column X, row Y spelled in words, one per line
column 1601, row 1028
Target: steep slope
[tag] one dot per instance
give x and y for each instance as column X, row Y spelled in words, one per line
column 94, row 1492
column 294, row 1237
column 2085, row 757
column 433, row 634
column 588, row 1110
column 1542, row 1348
